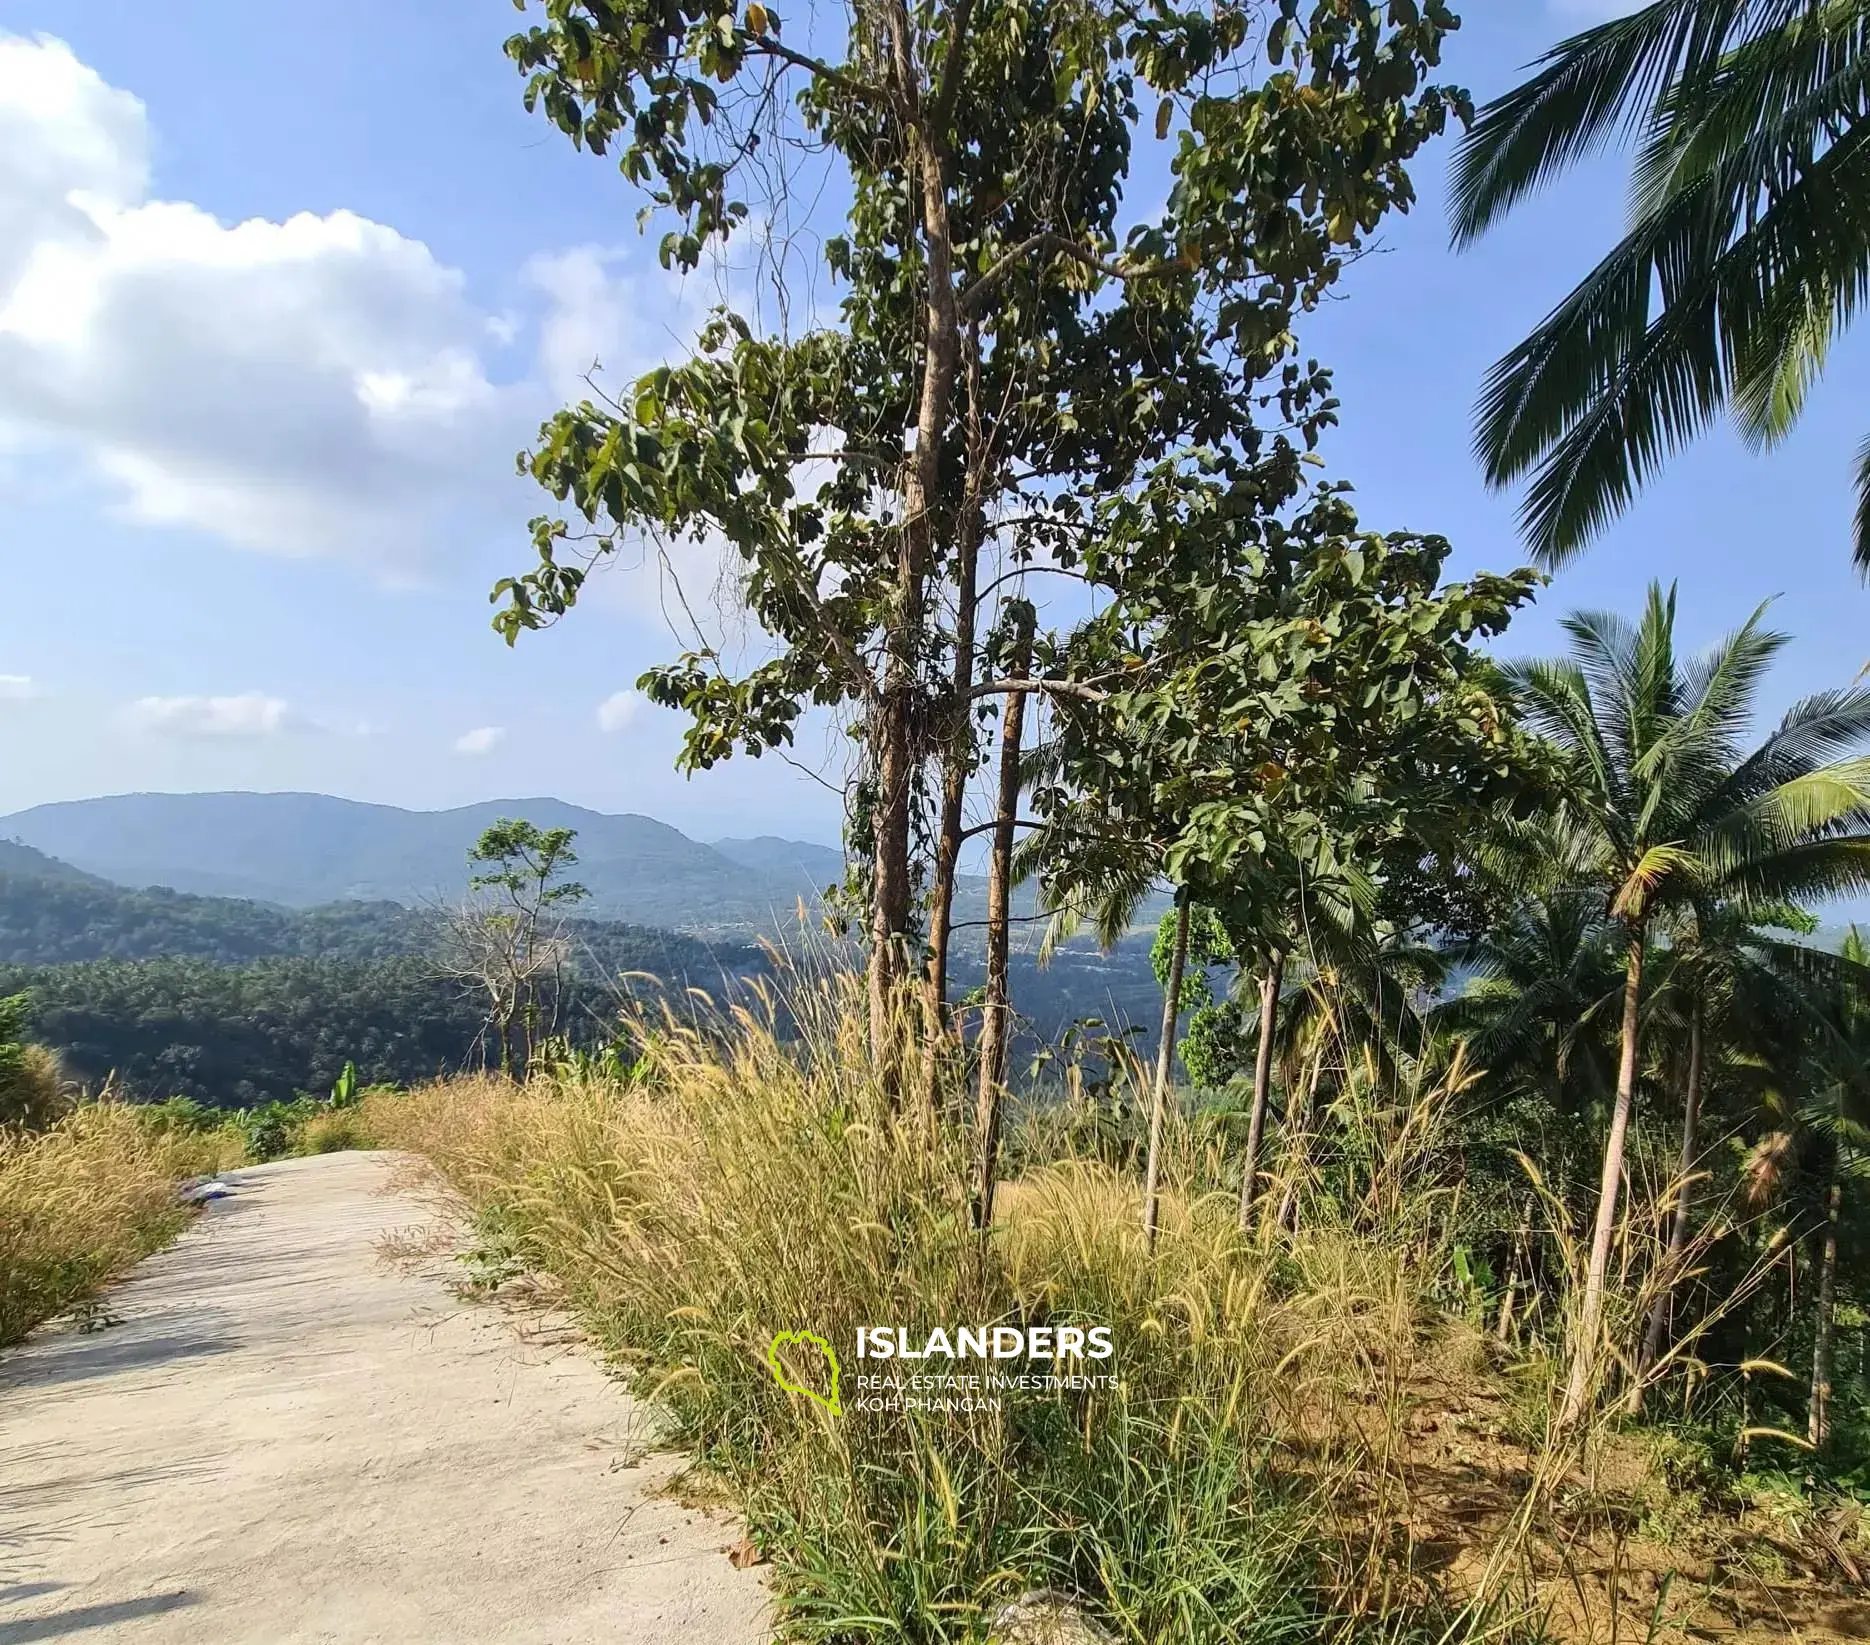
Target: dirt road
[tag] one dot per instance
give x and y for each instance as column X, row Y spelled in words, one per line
column 284, row 1438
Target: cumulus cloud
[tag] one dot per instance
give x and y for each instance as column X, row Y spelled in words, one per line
column 313, row 386
column 586, row 327
column 249, row 716
column 18, row 688
column 318, row 386
column 483, row 739
column 619, row 711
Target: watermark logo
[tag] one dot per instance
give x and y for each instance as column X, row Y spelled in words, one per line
column 899, row 1371
column 799, row 1347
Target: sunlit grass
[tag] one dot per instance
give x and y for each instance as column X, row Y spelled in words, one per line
column 749, row 1182
column 84, row 1200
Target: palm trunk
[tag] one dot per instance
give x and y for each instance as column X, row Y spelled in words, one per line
column 1270, row 980
column 1585, row 1351
column 1679, row 1227
column 1818, row 1423
column 1165, row 1059
column 997, row 1009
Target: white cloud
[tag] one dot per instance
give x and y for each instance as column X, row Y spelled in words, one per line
column 586, row 327
column 248, row 716
column 312, row 386
column 483, row 739
column 18, row 688
column 619, row 711
column 316, row 386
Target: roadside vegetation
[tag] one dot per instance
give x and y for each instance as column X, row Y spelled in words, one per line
column 86, row 1198
column 745, row 1182
column 91, row 1184
column 1338, row 1424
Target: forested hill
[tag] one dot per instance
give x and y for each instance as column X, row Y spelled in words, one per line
column 46, row 921
column 20, row 859
column 49, row 919
column 236, row 1002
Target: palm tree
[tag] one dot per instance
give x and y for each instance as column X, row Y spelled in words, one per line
column 1748, row 248
column 1326, row 972
column 1824, row 1131
column 1660, row 806
column 1743, row 989
column 1356, row 1004
column 1540, row 988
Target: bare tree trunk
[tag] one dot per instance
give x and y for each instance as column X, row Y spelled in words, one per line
column 1270, row 980
column 1818, row 1422
column 958, row 754
column 1585, row 1351
column 1683, row 1220
column 995, row 1025
column 895, row 740
column 1165, row 1061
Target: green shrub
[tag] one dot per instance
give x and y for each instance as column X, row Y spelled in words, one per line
column 34, row 1090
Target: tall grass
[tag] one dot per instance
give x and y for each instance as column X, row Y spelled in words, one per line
column 1242, row 1482
column 84, row 1200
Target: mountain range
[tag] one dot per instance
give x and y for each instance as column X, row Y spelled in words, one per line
column 234, row 948
column 305, row 850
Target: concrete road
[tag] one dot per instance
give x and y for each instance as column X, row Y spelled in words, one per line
column 286, row 1438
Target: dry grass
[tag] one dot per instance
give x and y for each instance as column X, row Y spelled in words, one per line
column 84, row 1200
column 34, row 1088
column 1242, row 1483
column 1307, row 1444
column 332, row 1130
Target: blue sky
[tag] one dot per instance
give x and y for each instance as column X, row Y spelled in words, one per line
column 262, row 379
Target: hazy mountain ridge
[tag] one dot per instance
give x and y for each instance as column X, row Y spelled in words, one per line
column 236, row 999
column 304, row 850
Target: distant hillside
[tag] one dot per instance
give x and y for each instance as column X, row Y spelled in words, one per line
column 51, row 921
column 788, row 860
column 22, row 860
column 236, row 1035
column 301, row 850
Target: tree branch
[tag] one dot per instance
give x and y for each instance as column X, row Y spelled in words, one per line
column 843, row 79
column 1053, row 688
column 951, row 70
column 1065, row 246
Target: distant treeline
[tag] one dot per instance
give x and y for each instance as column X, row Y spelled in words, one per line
column 46, row 920
column 236, row 1003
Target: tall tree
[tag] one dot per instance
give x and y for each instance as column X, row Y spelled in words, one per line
column 997, row 1005
column 1747, row 253
column 1260, row 700
column 1011, row 348
column 511, row 944
column 1665, row 806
